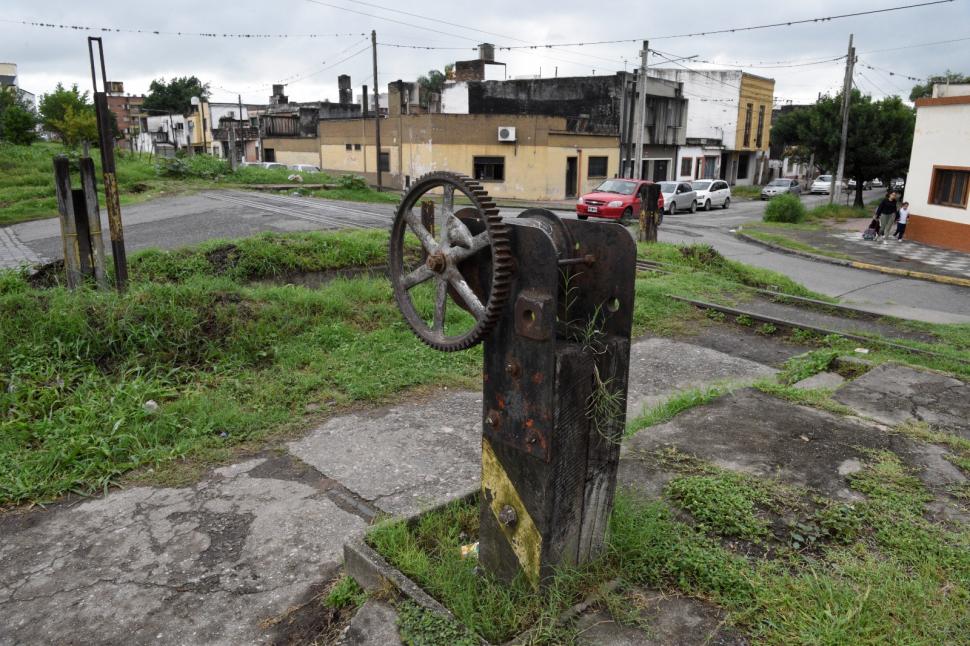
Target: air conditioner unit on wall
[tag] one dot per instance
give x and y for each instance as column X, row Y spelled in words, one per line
column 506, row 133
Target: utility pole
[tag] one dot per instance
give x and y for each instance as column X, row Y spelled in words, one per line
column 641, row 103
column 242, row 132
column 846, row 99
column 377, row 111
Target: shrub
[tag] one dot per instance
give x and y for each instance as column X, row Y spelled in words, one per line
column 351, row 182
column 194, row 166
column 785, row 208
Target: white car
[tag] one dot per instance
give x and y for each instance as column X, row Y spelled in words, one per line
column 822, row 184
column 711, row 193
column 304, row 168
column 678, row 196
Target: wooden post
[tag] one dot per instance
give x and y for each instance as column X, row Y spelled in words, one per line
column 649, row 213
column 85, row 264
column 93, row 211
column 65, row 207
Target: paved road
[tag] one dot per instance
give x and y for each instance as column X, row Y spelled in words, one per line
column 179, row 221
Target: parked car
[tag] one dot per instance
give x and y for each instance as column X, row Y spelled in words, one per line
column 679, row 196
column 273, row 165
column 898, row 184
column 865, row 185
column 822, row 184
column 304, row 168
column 711, row 193
column 876, row 183
column 614, row 199
column 780, row 186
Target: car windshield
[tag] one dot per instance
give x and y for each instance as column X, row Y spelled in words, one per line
column 700, row 186
column 668, row 187
column 780, row 182
column 617, row 186
column 824, row 178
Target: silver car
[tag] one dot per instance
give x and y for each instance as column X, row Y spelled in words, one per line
column 822, row 184
column 780, row 186
column 304, row 168
column 711, row 193
column 678, row 196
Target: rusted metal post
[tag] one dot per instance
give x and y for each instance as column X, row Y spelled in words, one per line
column 111, row 196
column 65, row 207
column 93, row 211
column 649, row 214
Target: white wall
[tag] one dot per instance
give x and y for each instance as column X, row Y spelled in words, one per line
column 942, row 138
column 955, row 89
column 712, row 112
column 454, row 98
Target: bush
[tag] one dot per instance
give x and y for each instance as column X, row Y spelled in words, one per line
column 785, row 208
column 352, row 182
column 196, row 166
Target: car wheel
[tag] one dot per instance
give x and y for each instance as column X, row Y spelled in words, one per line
column 582, row 217
column 693, row 206
column 672, row 209
column 727, row 203
column 707, row 205
column 627, row 214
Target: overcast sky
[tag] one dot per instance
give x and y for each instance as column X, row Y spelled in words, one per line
column 249, row 66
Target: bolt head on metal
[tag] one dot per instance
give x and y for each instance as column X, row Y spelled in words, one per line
column 492, row 420
column 436, row 262
column 507, row 516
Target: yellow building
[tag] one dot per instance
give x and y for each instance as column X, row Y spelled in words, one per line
column 515, row 156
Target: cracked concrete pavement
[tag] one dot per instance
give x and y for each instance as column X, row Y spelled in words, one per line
column 218, row 561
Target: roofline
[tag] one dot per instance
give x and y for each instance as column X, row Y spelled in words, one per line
column 943, row 100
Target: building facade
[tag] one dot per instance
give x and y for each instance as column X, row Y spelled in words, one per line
column 938, row 182
column 8, row 79
column 728, row 125
column 128, row 114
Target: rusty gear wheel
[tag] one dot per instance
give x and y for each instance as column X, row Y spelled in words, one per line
column 470, row 261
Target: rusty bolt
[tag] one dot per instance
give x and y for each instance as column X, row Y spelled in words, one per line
column 492, row 420
column 507, row 516
column 436, row 262
column 512, row 369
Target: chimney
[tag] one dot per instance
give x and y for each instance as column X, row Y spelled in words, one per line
column 278, row 97
column 346, row 93
column 486, row 52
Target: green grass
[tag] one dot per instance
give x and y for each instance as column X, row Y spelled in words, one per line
column 837, row 212
column 673, row 406
column 746, row 192
column 795, row 245
column 228, row 363
column 27, row 180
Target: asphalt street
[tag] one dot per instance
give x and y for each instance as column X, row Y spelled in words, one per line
column 179, row 221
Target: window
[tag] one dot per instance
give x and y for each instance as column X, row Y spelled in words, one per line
column 384, row 163
column 348, row 147
column 356, row 146
column 490, row 168
column 761, row 126
column 598, row 166
column 950, row 187
column 686, row 166
column 747, row 126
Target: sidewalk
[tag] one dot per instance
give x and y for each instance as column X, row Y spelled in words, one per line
column 844, row 245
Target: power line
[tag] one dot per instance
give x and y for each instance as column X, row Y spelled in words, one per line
column 891, row 73
column 158, row 32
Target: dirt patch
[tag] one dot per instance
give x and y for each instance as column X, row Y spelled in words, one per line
column 223, row 258
column 48, row 275
column 310, row 621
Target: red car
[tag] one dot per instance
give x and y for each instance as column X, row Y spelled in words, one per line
column 614, row 199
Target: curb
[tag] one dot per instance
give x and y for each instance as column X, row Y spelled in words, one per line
column 855, row 264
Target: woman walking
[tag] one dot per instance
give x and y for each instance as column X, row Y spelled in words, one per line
column 886, row 212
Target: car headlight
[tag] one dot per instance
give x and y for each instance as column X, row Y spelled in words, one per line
column 580, row 201
column 615, row 203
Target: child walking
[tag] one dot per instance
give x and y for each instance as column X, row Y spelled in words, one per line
column 901, row 224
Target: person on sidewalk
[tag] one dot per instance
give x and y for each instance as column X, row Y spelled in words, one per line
column 901, row 222
column 886, row 212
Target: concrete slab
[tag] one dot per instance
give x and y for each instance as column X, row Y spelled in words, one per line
column 822, row 380
column 893, row 394
column 666, row 620
column 375, row 624
column 405, row 458
column 195, row 565
column 660, row 367
column 755, row 433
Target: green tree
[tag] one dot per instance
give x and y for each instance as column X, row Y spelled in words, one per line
column 879, row 142
column 434, row 82
column 18, row 125
column 175, row 95
column 77, row 127
column 55, row 106
column 924, row 90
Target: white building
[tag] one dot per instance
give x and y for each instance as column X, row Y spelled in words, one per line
column 938, row 182
column 163, row 135
column 728, row 124
column 8, row 78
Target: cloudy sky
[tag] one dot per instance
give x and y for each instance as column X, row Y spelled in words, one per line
column 897, row 42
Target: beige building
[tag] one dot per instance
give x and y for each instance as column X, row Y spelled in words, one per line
column 515, row 156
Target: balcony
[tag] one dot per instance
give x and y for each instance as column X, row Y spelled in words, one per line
column 245, row 132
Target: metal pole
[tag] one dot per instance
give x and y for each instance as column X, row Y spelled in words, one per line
column 641, row 111
column 111, row 197
column 377, row 111
column 205, row 142
column 242, row 133
column 65, row 207
column 846, row 100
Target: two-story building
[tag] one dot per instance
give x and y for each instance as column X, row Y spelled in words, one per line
column 728, row 125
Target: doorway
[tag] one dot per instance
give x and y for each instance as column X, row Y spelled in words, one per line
column 571, row 168
column 660, row 167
